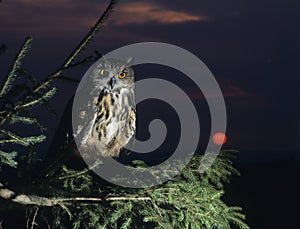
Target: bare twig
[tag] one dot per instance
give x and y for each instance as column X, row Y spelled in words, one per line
column 40, row 201
column 91, row 199
column 33, row 223
column 156, row 207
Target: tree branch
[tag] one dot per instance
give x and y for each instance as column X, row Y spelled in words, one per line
column 24, row 199
column 68, row 61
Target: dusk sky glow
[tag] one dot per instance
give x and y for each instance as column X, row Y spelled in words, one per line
column 251, row 47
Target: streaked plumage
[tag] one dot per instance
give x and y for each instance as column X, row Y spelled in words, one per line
column 107, row 120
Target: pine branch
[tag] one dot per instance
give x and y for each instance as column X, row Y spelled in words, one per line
column 24, row 141
column 46, row 97
column 25, row 120
column 80, row 47
column 80, row 173
column 90, row 34
column 8, row 158
column 25, row 199
column 187, row 200
column 190, row 200
column 15, row 67
column 68, row 61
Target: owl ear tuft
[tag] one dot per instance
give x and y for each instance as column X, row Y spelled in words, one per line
column 129, row 61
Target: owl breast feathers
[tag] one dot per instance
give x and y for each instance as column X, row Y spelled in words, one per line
column 107, row 119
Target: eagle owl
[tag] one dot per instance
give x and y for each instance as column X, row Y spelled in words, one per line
column 106, row 119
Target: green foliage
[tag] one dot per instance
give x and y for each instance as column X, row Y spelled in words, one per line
column 8, row 83
column 82, row 200
column 14, row 109
column 74, row 181
column 8, row 159
column 190, row 200
column 16, row 119
column 23, row 141
column 40, row 99
column 221, row 170
column 32, row 93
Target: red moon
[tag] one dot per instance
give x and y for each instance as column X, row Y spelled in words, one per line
column 219, row 138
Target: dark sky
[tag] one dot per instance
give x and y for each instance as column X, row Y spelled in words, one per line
column 251, row 47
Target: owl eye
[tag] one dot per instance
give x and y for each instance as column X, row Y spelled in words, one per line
column 103, row 72
column 122, row 75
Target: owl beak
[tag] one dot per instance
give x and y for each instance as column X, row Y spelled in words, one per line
column 112, row 82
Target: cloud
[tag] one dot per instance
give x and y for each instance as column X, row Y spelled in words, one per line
column 39, row 2
column 142, row 13
column 228, row 91
column 55, row 18
column 47, row 18
column 233, row 91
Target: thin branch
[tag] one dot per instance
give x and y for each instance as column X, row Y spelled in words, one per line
column 48, row 95
column 25, row 141
column 91, row 33
column 14, row 138
column 97, row 163
column 33, row 223
column 91, row 199
column 24, row 199
column 65, row 208
column 156, row 207
column 68, row 61
column 81, row 45
column 15, row 67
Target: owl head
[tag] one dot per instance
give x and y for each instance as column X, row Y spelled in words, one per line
column 113, row 74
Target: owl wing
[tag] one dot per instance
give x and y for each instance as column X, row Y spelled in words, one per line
column 123, row 135
column 107, row 127
column 88, row 116
column 99, row 126
column 131, row 129
column 132, row 122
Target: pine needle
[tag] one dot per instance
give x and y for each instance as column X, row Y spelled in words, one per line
column 48, row 95
column 15, row 67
